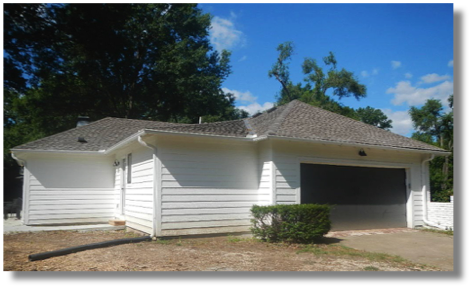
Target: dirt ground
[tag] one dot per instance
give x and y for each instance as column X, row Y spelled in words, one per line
column 231, row 253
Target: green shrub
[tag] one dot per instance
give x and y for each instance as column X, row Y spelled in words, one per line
column 290, row 223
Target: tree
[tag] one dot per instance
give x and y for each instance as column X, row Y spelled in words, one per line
column 318, row 82
column 280, row 69
column 437, row 127
column 28, row 33
column 427, row 119
column 134, row 61
column 342, row 82
column 374, row 117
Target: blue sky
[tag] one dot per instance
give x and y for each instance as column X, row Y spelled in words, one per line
column 403, row 53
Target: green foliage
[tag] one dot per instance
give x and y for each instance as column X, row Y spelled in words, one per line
column 320, row 81
column 290, row 223
column 142, row 61
column 436, row 127
column 427, row 119
column 374, row 117
column 280, row 69
column 342, row 82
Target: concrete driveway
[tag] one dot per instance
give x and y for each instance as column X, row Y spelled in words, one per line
column 414, row 245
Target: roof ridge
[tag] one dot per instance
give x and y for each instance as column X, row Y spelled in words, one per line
column 273, row 129
column 176, row 123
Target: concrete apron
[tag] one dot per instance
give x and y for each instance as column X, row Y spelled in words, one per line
column 414, row 245
column 12, row 225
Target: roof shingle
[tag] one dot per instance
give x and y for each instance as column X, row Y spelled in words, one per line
column 294, row 120
column 303, row 121
column 104, row 133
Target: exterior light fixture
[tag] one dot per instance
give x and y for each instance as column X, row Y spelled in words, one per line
column 362, row 153
column 116, row 163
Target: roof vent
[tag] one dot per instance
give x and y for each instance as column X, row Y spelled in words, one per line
column 81, row 139
column 82, row 120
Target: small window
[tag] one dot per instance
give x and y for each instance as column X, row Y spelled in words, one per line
column 129, row 169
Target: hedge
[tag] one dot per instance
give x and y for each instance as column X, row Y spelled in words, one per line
column 300, row 223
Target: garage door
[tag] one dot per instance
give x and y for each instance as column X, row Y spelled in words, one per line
column 364, row 198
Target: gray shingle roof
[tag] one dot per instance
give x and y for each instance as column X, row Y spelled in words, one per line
column 303, row 121
column 294, row 120
column 104, row 133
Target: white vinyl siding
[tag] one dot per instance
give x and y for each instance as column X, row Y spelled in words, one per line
column 203, row 185
column 67, row 189
column 138, row 208
column 207, row 186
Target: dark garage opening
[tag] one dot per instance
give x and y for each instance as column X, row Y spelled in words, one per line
column 364, row 197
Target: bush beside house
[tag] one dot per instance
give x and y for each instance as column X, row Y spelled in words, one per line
column 301, row 223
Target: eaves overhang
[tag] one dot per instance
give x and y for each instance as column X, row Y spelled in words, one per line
column 249, row 138
column 365, row 145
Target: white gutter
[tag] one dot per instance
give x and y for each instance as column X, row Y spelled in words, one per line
column 20, row 162
column 425, row 198
column 100, row 152
column 156, row 229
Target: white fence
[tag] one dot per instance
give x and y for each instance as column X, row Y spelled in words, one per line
column 442, row 213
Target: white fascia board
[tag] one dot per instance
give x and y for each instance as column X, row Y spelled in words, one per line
column 20, row 151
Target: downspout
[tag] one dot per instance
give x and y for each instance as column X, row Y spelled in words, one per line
column 425, row 177
column 156, row 230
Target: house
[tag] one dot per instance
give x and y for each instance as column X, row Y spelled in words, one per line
column 170, row 179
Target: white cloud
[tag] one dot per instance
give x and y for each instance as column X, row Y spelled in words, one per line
column 413, row 96
column 256, row 107
column 249, row 100
column 366, row 74
column 432, row 78
column 451, row 63
column 396, row 64
column 408, row 75
column 242, row 59
column 401, row 121
column 223, row 33
column 244, row 97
